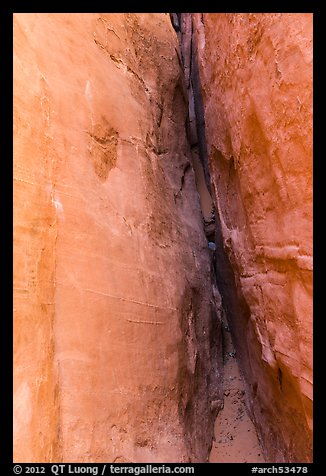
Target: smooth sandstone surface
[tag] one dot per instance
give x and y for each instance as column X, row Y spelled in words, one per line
column 117, row 353
column 256, row 84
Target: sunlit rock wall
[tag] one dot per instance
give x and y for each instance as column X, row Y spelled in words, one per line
column 116, row 334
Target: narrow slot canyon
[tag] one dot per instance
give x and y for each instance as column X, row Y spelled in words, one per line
column 163, row 237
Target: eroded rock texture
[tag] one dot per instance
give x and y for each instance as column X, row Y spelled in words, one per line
column 255, row 83
column 116, row 334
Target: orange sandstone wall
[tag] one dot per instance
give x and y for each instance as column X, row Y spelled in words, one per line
column 116, row 337
column 256, row 85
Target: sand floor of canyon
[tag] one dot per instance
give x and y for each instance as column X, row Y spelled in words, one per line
column 235, row 436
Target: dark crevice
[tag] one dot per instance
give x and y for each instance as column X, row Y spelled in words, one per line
column 234, row 305
column 233, row 301
column 199, row 110
column 280, row 378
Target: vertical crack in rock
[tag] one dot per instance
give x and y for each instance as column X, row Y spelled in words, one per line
column 233, row 304
column 254, row 188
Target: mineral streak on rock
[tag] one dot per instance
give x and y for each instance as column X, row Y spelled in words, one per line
column 117, row 353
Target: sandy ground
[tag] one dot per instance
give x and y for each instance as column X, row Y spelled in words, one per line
column 235, row 436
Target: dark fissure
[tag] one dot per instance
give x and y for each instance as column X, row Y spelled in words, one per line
column 234, row 304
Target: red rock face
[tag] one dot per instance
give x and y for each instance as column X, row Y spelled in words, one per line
column 256, row 86
column 117, row 353
column 116, row 337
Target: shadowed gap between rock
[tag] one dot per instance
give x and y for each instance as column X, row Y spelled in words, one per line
column 235, row 307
